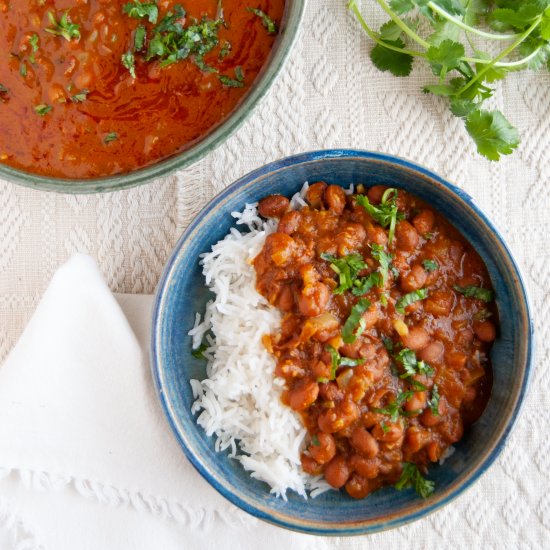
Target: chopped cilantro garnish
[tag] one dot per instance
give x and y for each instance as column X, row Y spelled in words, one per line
column 237, row 82
column 434, row 401
column 384, row 427
column 64, row 28
column 410, row 298
column 388, row 343
column 347, row 269
column 394, row 409
column 33, row 41
column 267, row 22
column 23, row 69
column 42, row 109
column 80, row 96
column 411, row 477
column 171, row 42
column 225, row 50
column 315, row 441
column 355, row 324
column 364, row 284
column 430, row 265
column 384, row 259
column 141, row 11
column 417, row 386
column 386, row 213
column 470, row 291
column 199, row 352
column 139, row 38
column 411, row 365
column 203, row 66
column 111, row 136
column 339, row 361
column 128, row 60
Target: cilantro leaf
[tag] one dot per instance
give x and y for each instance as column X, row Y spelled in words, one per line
column 388, row 343
column 364, row 284
column 434, row 400
column 42, row 109
column 267, row 22
column 411, row 477
column 384, row 59
column 386, row 213
column 347, row 269
column 127, row 59
column 401, row 7
column 355, row 324
column 492, row 133
column 232, row 82
column 139, row 38
column 470, row 291
column 463, row 107
column 384, row 259
column 390, row 31
column 339, row 361
column 430, row 265
column 170, row 42
column 454, row 7
column 199, row 352
column 138, row 10
column 411, row 365
column 505, row 19
column 545, row 25
column 394, row 409
column 64, row 27
column 410, row 298
column 447, row 56
column 111, row 136
column 80, row 97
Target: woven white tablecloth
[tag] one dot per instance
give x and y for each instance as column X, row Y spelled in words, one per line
column 330, row 95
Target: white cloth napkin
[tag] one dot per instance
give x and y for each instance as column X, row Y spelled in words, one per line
column 87, row 459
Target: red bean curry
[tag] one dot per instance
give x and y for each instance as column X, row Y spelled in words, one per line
column 99, row 87
column 388, row 319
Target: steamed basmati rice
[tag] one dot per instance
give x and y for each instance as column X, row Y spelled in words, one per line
column 240, row 402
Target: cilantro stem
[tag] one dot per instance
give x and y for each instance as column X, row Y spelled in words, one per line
column 468, row 28
column 353, row 7
column 402, row 25
column 501, row 55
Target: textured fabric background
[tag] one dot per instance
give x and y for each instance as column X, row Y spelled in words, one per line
column 330, row 95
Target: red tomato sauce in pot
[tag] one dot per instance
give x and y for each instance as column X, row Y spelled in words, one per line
column 93, row 88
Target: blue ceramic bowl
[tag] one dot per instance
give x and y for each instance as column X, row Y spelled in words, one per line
column 181, row 293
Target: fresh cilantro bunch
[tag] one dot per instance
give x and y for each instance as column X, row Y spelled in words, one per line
column 465, row 72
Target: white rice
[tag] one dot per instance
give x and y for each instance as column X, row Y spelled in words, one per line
column 240, row 402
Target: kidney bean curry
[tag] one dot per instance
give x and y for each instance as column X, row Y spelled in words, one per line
column 388, row 318
column 99, row 87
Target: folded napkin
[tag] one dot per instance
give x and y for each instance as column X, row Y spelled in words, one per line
column 86, row 457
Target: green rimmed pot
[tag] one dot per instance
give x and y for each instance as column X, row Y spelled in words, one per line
column 294, row 10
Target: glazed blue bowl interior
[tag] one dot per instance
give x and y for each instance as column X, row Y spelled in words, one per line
column 182, row 292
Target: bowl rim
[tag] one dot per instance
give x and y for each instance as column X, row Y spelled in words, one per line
column 293, row 16
column 372, row 526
